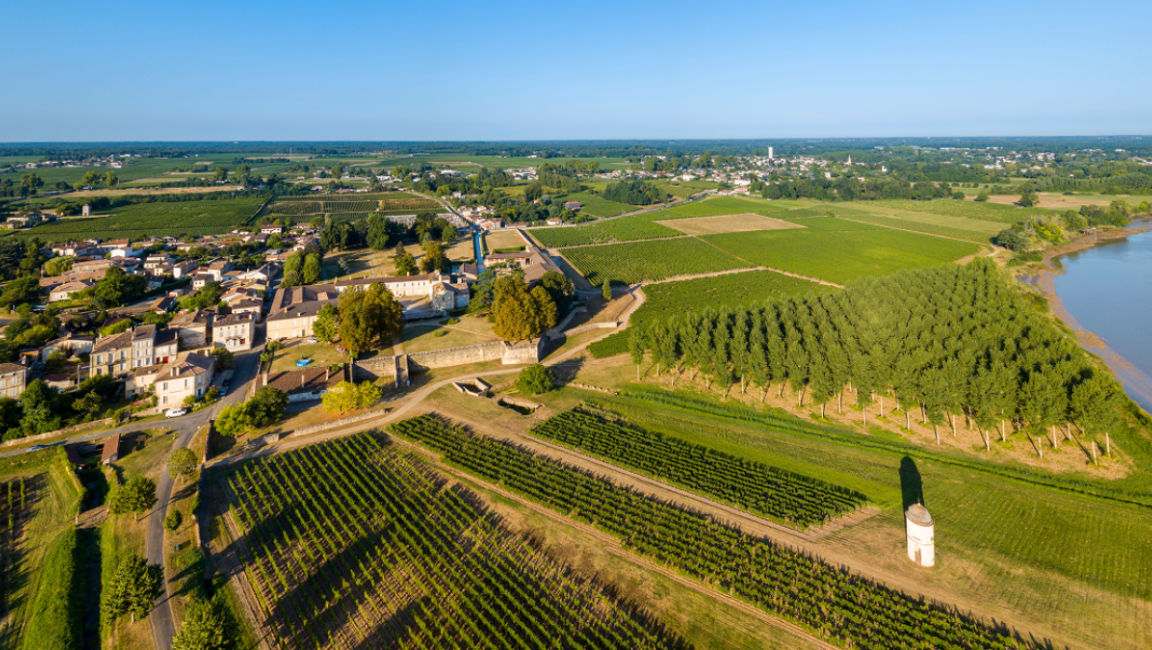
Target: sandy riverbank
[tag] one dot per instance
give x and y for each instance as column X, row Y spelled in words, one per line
column 1135, row 381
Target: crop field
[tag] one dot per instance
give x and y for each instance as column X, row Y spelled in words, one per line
column 714, row 207
column 650, row 260
column 926, row 228
column 726, row 223
column 141, row 220
column 1000, row 213
column 375, row 551
column 391, row 203
column 835, row 604
column 685, row 189
column 16, row 495
column 616, row 230
column 841, row 257
column 597, row 207
column 761, row 489
column 666, row 299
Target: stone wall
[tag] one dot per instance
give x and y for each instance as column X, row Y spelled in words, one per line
column 60, row 432
column 523, row 352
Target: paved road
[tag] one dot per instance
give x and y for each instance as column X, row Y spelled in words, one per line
column 163, row 627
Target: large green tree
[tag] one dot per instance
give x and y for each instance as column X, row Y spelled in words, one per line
column 133, row 589
column 369, row 318
column 135, row 496
column 521, row 313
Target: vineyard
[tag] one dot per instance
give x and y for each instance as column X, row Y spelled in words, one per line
column 831, row 601
column 650, row 260
column 767, row 491
column 374, row 551
column 830, row 224
column 391, row 203
column 670, row 298
column 842, row 257
column 926, row 228
column 714, row 207
column 616, row 230
column 985, row 211
column 140, row 220
column 12, row 511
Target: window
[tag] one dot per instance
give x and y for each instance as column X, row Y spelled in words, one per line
column 165, row 386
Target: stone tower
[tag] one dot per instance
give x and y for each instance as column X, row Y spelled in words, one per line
column 921, row 539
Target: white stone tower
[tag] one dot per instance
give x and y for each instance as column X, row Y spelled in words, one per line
column 769, row 153
column 921, row 539
column 86, row 210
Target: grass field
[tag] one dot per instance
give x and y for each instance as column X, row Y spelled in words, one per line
column 650, row 261
column 841, row 256
column 616, row 230
column 422, row 338
column 153, row 219
column 596, row 206
column 830, row 224
column 727, row 223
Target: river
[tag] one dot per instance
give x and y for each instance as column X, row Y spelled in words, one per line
column 1107, row 290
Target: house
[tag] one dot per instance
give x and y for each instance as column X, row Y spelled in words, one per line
column 184, row 269
column 294, row 310
column 194, row 328
column 554, row 222
column 13, row 378
column 154, row 263
column 201, row 279
column 534, row 262
column 572, row 206
column 111, row 450
column 189, row 374
column 122, row 353
column 66, row 291
column 304, row 384
column 71, row 345
column 271, row 230
column 234, row 331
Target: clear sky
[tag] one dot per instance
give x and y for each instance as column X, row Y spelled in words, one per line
column 349, row 70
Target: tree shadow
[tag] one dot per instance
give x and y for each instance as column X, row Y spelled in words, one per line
column 911, row 485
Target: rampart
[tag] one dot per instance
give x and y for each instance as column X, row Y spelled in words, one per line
column 398, row 367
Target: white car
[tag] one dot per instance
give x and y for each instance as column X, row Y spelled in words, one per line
column 175, row 413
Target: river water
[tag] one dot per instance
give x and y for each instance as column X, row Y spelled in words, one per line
column 1108, row 291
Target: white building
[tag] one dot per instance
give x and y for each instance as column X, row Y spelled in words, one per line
column 921, row 537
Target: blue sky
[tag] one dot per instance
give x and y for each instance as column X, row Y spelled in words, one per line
column 548, row 70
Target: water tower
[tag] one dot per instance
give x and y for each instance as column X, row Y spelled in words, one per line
column 921, row 540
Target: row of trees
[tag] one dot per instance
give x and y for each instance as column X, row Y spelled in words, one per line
column 947, row 341
column 635, row 192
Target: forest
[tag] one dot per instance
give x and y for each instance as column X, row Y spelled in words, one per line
column 944, row 341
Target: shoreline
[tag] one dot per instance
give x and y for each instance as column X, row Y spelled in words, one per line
column 1136, row 382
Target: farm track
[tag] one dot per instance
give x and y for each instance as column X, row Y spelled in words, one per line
column 611, row 543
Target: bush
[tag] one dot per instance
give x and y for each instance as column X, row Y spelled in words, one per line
column 173, row 520
column 535, row 379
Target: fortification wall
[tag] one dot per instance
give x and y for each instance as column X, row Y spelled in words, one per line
column 523, row 352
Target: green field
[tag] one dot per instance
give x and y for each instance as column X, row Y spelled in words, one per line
column 828, row 224
column 142, row 220
column 650, row 260
column 670, row 298
column 841, row 257
column 715, row 207
column 926, row 228
column 616, row 230
column 998, row 212
column 595, row 206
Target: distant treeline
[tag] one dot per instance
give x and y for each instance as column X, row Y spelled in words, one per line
column 635, row 193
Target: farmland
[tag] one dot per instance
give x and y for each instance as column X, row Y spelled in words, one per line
column 597, row 207
column 389, row 203
column 650, row 260
column 377, row 552
column 1000, row 213
column 926, row 228
column 727, row 223
column 669, row 298
column 768, row 491
column 841, row 256
column 616, row 230
column 836, row 604
column 713, row 207
column 136, row 221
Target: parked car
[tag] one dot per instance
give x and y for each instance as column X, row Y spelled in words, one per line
column 313, row 340
column 175, row 413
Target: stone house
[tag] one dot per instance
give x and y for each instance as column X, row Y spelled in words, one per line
column 194, row 328
column 235, row 331
column 13, row 379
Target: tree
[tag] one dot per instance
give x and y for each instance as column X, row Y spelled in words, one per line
column 982, row 197
column 606, row 291
column 224, row 358
column 405, row 264
column 434, row 258
column 117, row 287
column 173, row 520
column 234, row 420
column 182, row 462
column 221, row 174
column 345, row 396
column 1012, row 240
column 110, row 179
column 327, row 324
column 636, row 348
column 521, row 314
column 58, row 265
column 133, row 589
column 560, row 287
column 1029, row 198
column 135, row 496
column 312, row 269
column 267, row 406
column 535, row 379
column 21, row 290
column 449, row 234
column 369, row 317
column 206, row 627
column 38, row 401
